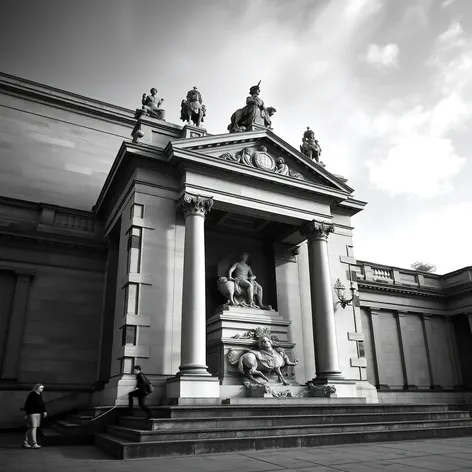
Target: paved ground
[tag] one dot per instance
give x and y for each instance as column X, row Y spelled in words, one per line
column 404, row 456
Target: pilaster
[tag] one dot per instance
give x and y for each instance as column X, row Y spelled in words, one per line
column 306, row 313
column 288, row 302
column 16, row 327
column 401, row 318
column 452, row 346
column 426, row 324
column 381, row 379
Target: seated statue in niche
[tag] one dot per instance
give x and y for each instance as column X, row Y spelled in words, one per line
column 267, row 358
column 254, row 113
column 240, row 287
column 151, row 106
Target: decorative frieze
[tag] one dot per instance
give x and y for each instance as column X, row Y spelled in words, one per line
column 194, row 205
column 75, row 222
column 315, row 230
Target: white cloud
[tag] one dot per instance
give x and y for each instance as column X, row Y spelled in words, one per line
column 448, row 3
column 421, row 158
column 386, row 56
column 417, row 164
column 453, row 36
column 362, row 8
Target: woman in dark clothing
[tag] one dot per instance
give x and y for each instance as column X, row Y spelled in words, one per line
column 35, row 409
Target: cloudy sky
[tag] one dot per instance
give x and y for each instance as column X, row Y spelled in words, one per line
column 386, row 85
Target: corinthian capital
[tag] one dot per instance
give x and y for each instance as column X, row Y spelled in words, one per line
column 315, row 230
column 194, row 205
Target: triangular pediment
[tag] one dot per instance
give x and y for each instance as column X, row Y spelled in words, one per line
column 262, row 151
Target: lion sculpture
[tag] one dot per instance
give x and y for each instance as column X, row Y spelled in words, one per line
column 268, row 358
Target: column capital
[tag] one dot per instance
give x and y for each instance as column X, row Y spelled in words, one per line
column 194, row 205
column 315, row 230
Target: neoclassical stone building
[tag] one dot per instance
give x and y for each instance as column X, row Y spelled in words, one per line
column 115, row 233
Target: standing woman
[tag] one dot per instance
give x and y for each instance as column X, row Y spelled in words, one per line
column 35, row 409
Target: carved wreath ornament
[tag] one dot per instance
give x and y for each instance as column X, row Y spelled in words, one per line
column 261, row 159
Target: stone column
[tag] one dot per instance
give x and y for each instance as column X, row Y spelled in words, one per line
column 193, row 383
column 193, row 338
column 324, row 329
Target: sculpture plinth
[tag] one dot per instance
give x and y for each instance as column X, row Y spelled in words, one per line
column 232, row 328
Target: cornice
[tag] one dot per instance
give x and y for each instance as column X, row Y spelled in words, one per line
column 402, row 290
column 23, row 88
column 50, row 239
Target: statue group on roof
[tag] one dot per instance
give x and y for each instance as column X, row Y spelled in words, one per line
column 192, row 109
column 254, row 115
column 151, row 106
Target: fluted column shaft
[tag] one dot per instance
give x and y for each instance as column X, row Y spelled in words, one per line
column 324, row 328
column 193, row 337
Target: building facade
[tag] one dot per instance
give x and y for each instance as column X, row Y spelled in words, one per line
column 115, row 233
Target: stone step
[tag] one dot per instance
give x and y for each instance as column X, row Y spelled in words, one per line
column 259, row 431
column 70, row 428
column 94, row 411
column 123, row 449
column 282, row 420
column 79, row 419
column 203, row 411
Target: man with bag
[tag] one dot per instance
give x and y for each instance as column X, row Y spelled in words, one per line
column 143, row 388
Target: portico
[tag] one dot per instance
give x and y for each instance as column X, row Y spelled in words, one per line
column 226, row 189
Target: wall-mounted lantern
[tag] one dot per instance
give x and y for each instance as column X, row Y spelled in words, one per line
column 340, row 291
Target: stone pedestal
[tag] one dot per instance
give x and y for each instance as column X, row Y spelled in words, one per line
column 232, row 328
column 193, row 389
column 189, row 131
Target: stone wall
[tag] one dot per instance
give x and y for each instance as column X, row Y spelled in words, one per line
column 417, row 330
column 56, row 147
column 51, row 290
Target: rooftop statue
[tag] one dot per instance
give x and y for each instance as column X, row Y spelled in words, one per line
column 240, row 286
column 253, row 115
column 310, row 146
column 193, row 109
column 151, row 106
column 267, row 358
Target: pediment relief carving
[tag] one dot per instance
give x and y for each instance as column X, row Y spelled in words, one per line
column 267, row 154
column 260, row 158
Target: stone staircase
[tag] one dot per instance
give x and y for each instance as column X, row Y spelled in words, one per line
column 184, row 430
column 78, row 427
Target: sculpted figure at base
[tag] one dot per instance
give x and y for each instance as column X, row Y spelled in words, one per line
column 151, row 106
column 254, row 113
column 192, row 109
column 310, row 146
column 267, row 357
column 240, row 287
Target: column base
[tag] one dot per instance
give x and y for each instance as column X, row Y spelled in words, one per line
column 200, row 370
column 192, row 387
column 334, row 388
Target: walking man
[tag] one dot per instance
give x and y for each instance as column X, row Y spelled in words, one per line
column 35, row 410
column 143, row 388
